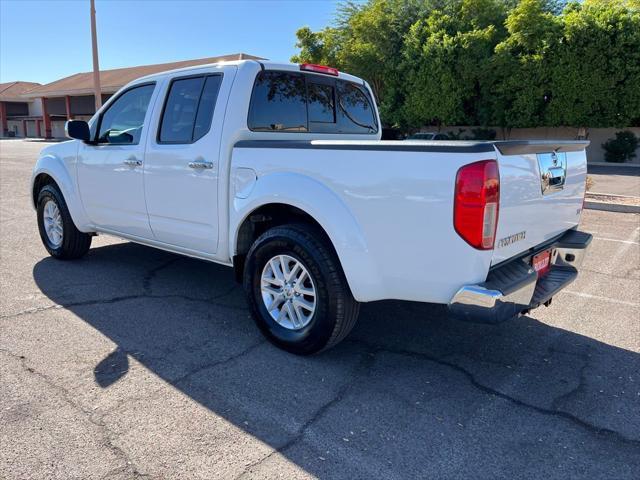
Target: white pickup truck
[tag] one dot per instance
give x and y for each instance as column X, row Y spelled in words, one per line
column 278, row 170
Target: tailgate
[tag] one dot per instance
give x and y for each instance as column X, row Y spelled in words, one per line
column 542, row 186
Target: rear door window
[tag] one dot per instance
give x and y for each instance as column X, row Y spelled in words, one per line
column 189, row 109
column 207, row 106
column 179, row 113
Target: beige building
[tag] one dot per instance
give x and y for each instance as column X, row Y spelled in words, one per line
column 16, row 112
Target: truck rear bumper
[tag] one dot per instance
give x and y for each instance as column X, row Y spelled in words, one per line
column 514, row 287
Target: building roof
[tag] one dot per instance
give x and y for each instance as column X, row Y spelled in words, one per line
column 12, row 91
column 112, row 80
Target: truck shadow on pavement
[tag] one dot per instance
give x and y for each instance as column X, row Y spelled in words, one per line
column 409, row 394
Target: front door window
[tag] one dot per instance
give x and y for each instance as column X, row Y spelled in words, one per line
column 122, row 123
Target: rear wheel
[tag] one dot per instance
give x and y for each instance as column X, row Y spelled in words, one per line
column 297, row 291
column 58, row 233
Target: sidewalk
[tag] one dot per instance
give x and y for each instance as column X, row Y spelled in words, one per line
column 615, row 180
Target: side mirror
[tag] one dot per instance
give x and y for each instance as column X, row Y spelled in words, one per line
column 78, row 129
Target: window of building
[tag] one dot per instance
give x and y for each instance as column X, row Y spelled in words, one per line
column 123, row 121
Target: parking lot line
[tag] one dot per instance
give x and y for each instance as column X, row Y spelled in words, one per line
column 606, row 299
column 631, row 242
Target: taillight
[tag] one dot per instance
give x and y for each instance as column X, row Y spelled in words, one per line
column 310, row 67
column 476, row 203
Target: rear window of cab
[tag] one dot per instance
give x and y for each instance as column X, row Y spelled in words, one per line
column 292, row 102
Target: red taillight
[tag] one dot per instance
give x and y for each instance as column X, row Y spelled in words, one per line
column 476, row 203
column 310, row 67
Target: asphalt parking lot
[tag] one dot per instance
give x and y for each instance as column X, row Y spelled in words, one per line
column 133, row 362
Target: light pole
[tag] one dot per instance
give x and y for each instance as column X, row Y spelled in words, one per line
column 96, row 68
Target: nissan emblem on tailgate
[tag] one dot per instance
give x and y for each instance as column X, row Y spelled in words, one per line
column 553, row 171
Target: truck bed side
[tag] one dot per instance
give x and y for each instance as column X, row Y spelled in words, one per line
column 399, row 196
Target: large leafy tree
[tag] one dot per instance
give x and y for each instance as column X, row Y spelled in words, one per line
column 518, row 89
column 366, row 40
column 509, row 63
column 595, row 67
column 447, row 60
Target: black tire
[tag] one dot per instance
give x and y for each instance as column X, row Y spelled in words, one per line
column 336, row 310
column 75, row 243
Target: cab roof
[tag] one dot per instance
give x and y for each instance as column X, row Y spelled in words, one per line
column 265, row 64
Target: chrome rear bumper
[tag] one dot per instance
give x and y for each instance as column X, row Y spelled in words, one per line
column 514, row 287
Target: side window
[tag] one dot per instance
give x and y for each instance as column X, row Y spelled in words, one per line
column 122, row 122
column 188, row 109
column 179, row 113
column 356, row 113
column 278, row 103
column 207, row 106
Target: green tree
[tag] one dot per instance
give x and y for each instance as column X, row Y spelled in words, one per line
column 595, row 68
column 321, row 47
column 518, row 89
column 508, row 63
column 447, row 60
column 367, row 41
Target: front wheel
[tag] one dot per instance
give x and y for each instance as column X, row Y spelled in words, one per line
column 58, row 233
column 297, row 291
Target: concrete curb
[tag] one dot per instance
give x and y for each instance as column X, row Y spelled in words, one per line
column 598, row 201
column 44, row 140
column 612, row 207
column 612, row 164
column 595, row 195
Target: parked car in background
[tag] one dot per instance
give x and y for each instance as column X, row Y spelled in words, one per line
column 427, row 136
column 278, row 171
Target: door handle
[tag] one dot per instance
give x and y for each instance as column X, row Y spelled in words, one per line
column 201, row 164
column 133, row 162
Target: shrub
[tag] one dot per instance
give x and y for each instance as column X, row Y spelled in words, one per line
column 458, row 135
column 622, row 148
column 483, row 134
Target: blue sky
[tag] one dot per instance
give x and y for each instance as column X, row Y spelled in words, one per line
column 41, row 41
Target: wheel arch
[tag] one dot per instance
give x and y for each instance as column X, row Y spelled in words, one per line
column 50, row 170
column 307, row 201
column 40, row 181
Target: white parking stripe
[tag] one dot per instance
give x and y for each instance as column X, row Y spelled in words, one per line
column 598, row 297
column 620, row 254
column 616, row 240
